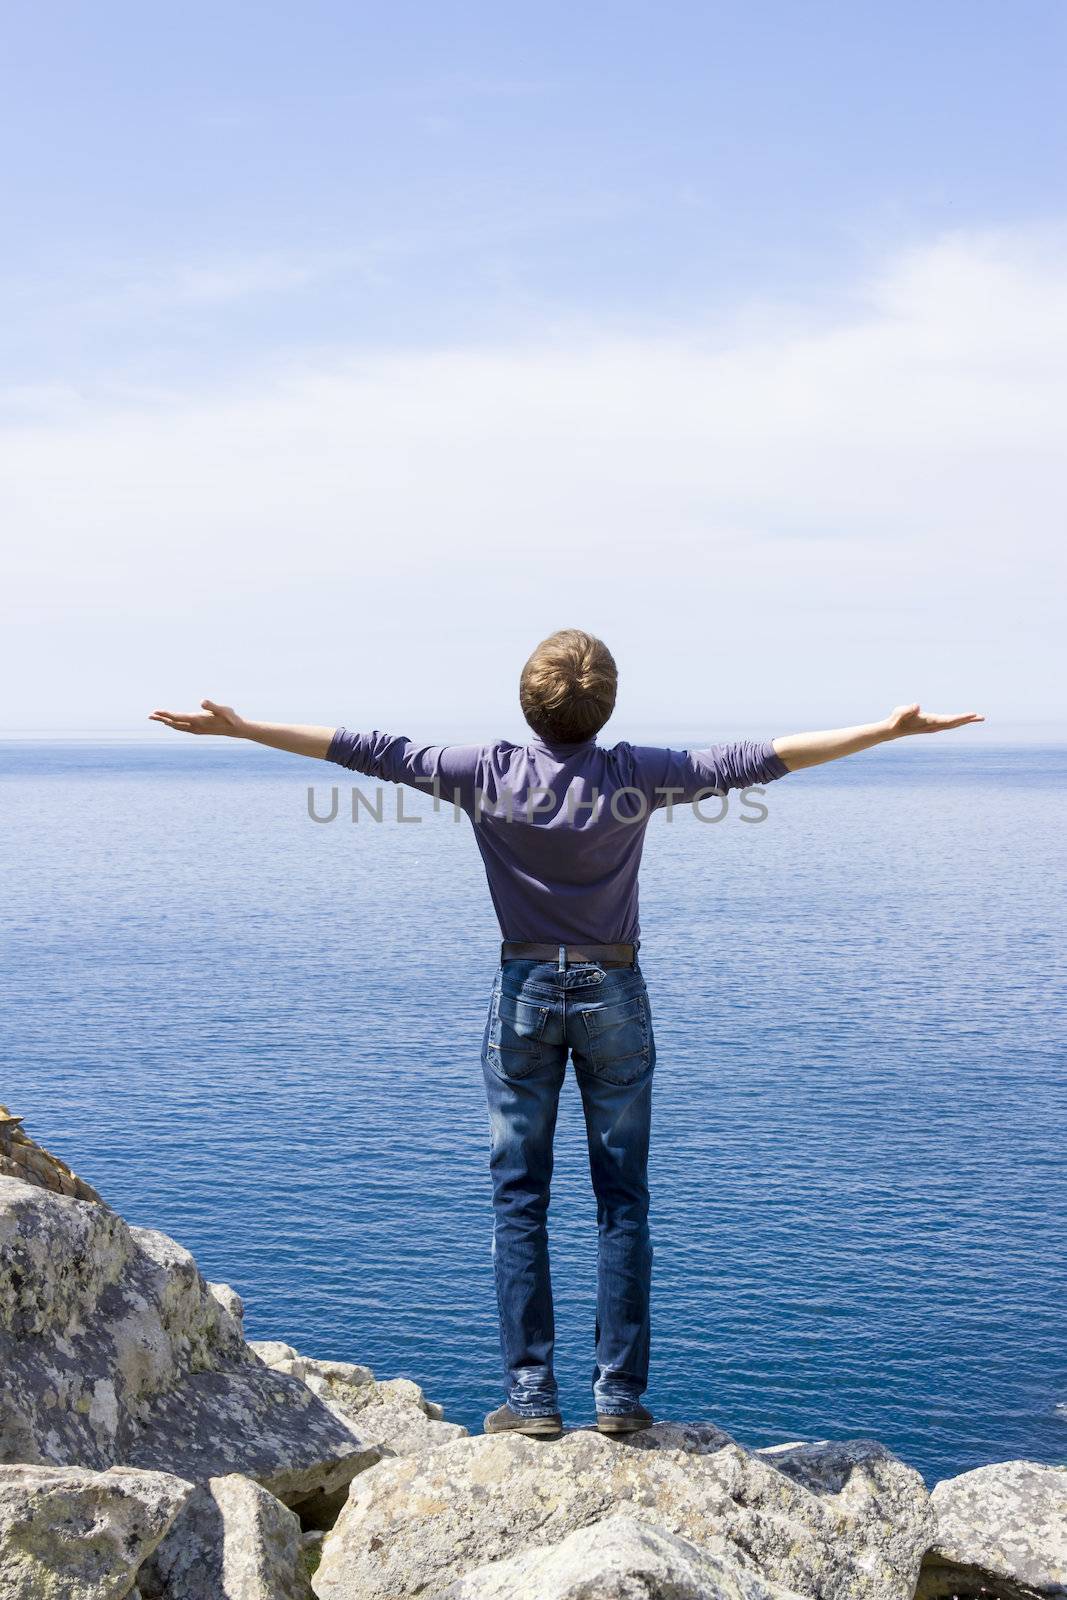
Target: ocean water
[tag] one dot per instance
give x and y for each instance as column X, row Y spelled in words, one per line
column 261, row 1035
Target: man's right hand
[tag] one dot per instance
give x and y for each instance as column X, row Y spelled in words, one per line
column 212, row 719
column 296, row 738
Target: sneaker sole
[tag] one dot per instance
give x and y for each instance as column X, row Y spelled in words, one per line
column 606, row 1424
column 534, row 1428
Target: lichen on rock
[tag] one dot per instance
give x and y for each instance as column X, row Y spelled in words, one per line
column 1000, row 1530
column 81, row 1535
column 231, row 1541
column 621, row 1558
column 419, row 1523
column 114, row 1350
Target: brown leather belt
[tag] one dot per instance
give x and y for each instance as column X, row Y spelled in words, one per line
column 570, row 955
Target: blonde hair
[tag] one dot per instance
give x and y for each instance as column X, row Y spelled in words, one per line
column 567, row 689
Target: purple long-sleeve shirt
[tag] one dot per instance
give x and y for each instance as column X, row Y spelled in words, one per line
column 560, row 826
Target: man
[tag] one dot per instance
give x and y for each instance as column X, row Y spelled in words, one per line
column 560, row 823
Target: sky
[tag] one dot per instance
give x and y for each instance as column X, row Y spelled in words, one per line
column 349, row 349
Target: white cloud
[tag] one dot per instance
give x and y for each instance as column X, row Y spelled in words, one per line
column 193, row 283
column 807, row 514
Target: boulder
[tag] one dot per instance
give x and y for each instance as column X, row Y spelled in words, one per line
column 620, row 1558
column 852, row 1529
column 114, row 1351
column 391, row 1412
column 999, row 1531
column 262, row 1424
column 231, row 1303
column 232, row 1541
column 72, row 1534
column 855, row 1475
column 394, row 1415
column 273, row 1353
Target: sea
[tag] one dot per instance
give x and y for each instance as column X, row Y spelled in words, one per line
column 259, row 1032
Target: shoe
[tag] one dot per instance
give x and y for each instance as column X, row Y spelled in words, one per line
column 628, row 1422
column 504, row 1420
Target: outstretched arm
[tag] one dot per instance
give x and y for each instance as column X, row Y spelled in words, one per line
column 300, row 740
column 811, row 749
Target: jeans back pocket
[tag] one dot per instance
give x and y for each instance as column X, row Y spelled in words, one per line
column 620, row 1043
column 513, row 1037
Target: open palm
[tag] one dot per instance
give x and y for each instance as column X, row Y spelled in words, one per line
column 212, row 719
column 912, row 719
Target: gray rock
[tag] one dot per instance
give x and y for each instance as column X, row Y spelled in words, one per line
column 231, row 1303
column 343, row 1378
column 115, row 1350
column 273, row 1353
column 260, row 1423
column 620, row 1558
column 393, row 1413
column 417, row 1523
column 393, row 1417
column 1000, row 1531
column 232, row 1541
column 846, row 1472
column 70, row 1534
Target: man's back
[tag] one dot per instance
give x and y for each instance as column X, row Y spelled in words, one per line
column 560, row 827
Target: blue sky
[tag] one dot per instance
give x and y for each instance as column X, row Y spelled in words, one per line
column 402, row 334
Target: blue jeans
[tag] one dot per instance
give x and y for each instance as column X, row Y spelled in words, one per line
column 537, row 1014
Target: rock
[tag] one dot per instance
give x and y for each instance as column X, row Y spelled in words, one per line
column 114, row 1350
column 846, row 1472
column 77, row 1535
column 21, row 1157
column 403, row 1430
column 265, row 1425
column 232, row 1541
column 1000, row 1531
column 346, row 1380
column 394, row 1413
column 393, row 1416
column 273, row 1353
column 415, row 1524
column 620, row 1558
column 231, row 1303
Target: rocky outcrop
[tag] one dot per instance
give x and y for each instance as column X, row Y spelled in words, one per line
column 21, row 1157
column 393, row 1416
column 66, row 1532
column 393, row 1413
column 1002, row 1531
column 146, row 1450
column 232, row 1541
column 114, row 1350
column 620, row 1558
column 854, row 1528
